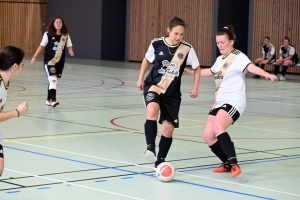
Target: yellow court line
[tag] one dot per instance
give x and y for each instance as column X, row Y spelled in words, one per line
column 68, row 66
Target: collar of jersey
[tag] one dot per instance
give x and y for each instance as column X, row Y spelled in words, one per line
column 228, row 53
column 164, row 39
column 1, row 79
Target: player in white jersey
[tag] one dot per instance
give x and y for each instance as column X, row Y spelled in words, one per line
column 287, row 58
column 55, row 41
column 170, row 56
column 268, row 55
column 11, row 64
column 230, row 98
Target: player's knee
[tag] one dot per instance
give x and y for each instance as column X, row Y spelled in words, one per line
column 218, row 129
column 167, row 129
column 52, row 82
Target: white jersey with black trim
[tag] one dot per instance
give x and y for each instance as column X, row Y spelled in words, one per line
column 3, row 93
column 232, row 88
column 287, row 52
column 268, row 51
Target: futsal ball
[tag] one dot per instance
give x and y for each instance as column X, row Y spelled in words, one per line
column 165, row 172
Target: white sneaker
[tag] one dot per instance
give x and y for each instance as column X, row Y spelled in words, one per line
column 55, row 103
column 48, row 103
column 282, row 78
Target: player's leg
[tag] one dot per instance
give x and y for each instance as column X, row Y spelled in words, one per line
column 52, row 89
column 1, row 157
column 210, row 138
column 151, row 100
column 224, row 118
column 257, row 63
column 277, row 66
column 285, row 65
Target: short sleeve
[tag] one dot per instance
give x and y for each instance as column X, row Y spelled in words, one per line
column 150, row 56
column 280, row 50
column 44, row 40
column 69, row 42
column 241, row 61
column 272, row 52
column 262, row 50
column 213, row 68
column 192, row 59
column 292, row 51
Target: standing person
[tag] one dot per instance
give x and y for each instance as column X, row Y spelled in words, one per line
column 54, row 41
column 170, row 55
column 11, row 64
column 287, row 58
column 230, row 98
column 268, row 55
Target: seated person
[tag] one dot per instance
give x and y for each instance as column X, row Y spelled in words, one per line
column 287, row 58
column 268, row 55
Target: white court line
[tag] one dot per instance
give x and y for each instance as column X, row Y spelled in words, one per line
column 127, row 163
column 74, row 184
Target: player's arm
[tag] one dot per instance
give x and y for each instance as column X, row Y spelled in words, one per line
column 144, row 67
column 21, row 110
column 257, row 70
column 70, row 50
column 38, row 51
column 197, row 75
column 206, row 72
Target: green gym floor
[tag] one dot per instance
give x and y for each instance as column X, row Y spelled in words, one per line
column 91, row 145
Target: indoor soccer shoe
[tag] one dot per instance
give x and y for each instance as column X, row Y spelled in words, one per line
column 158, row 162
column 235, row 170
column 48, row 103
column 55, row 103
column 225, row 167
column 150, row 154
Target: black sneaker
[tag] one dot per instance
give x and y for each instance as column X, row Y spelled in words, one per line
column 256, row 76
column 158, row 162
column 150, row 154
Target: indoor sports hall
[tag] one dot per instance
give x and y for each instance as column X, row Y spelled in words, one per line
column 91, row 146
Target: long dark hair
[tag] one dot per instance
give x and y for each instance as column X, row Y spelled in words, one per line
column 10, row 55
column 51, row 29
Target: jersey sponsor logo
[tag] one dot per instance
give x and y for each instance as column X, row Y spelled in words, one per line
column 167, row 68
column 58, row 46
column 161, row 53
column 180, row 55
column 175, row 121
column 53, row 38
column 150, row 96
column 218, row 75
column 52, row 70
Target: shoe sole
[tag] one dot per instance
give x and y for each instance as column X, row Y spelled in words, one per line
column 55, row 104
column 149, row 155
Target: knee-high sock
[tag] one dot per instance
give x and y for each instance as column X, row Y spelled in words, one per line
column 150, row 132
column 284, row 69
column 228, row 147
column 53, row 94
column 164, row 147
column 218, row 151
column 262, row 66
column 48, row 93
column 276, row 69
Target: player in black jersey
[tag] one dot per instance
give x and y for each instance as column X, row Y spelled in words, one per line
column 170, row 55
column 268, row 55
column 54, row 41
column 11, row 65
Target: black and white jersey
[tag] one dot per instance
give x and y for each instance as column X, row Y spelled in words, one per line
column 287, row 52
column 232, row 89
column 161, row 54
column 52, row 44
column 268, row 51
column 3, row 93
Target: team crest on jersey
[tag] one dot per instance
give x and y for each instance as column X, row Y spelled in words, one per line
column 150, row 96
column 218, row 75
column 63, row 39
column 180, row 55
column 52, row 70
column 225, row 65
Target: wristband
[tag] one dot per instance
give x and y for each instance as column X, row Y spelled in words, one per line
column 18, row 112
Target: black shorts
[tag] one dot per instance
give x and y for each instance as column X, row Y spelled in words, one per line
column 54, row 70
column 169, row 107
column 232, row 111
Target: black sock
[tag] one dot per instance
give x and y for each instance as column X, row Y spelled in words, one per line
column 48, row 94
column 276, row 69
column 218, row 151
column 262, row 66
column 53, row 94
column 228, row 147
column 164, row 146
column 284, row 69
column 150, row 132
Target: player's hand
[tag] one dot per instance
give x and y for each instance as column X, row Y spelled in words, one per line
column 194, row 93
column 188, row 72
column 71, row 53
column 140, row 84
column 23, row 108
column 33, row 60
column 272, row 77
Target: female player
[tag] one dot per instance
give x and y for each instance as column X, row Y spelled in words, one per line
column 161, row 87
column 230, row 98
column 54, row 41
column 11, row 64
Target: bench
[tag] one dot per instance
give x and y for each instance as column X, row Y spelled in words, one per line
column 291, row 70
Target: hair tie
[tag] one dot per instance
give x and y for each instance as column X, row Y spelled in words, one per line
column 226, row 27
